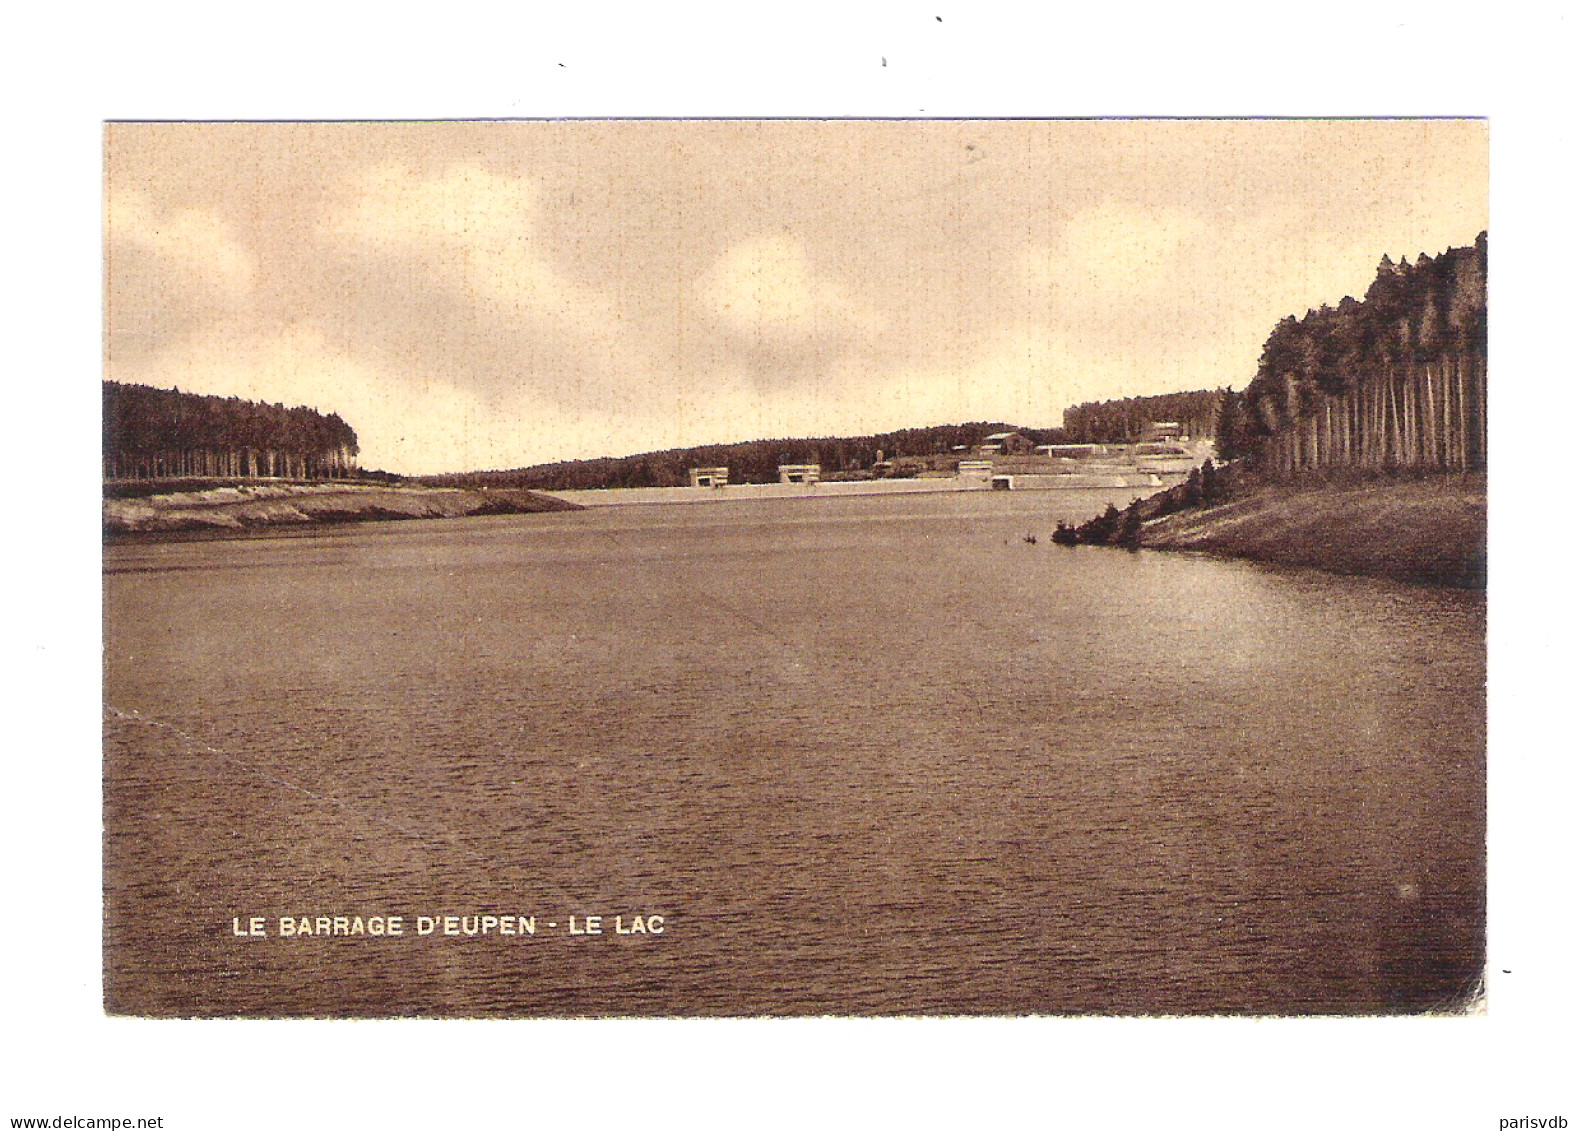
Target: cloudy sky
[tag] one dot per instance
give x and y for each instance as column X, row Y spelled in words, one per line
column 474, row 295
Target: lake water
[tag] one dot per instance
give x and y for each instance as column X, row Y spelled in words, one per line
column 866, row 755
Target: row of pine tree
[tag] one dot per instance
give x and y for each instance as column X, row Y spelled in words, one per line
column 1396, row 380
column 165, row 433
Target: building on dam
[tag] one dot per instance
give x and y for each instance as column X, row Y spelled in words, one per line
column 709, row 477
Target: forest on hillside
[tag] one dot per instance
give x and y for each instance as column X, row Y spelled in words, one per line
column 1398, row 379
column 1125, row 421
column 164, row 434
column 756, row 461
column 753, row 461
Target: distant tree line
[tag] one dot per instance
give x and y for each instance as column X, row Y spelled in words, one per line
column 1397, row 380
column 754, row 461
column 757, row 461
column 1126, row 421
column 164, row 434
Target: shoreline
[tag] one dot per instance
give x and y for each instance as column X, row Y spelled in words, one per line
column 1430, row 530
column 841, row 489
column 232, row 509
column 1425, row 530
column 235, row 510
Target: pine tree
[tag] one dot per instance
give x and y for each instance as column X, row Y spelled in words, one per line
column 1129, row 530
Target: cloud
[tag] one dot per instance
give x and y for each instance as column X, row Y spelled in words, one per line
column 201, row 243
column 476, row 231
column 172, row 270
column 451, row 273
column 766, row 294
column 462, row 206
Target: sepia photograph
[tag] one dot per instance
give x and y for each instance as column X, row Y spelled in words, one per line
column 795, row 567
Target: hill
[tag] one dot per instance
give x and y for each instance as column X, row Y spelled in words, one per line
column 752, row 461
column 908, row 449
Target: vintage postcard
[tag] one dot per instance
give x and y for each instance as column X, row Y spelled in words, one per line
column 738, row 568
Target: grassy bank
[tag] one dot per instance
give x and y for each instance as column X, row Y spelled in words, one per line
column 1424, row 529
column 247, row 506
